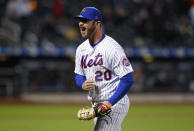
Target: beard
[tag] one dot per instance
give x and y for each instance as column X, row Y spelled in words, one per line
column 90, row 30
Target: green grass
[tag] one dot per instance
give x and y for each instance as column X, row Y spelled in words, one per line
column 63, row 118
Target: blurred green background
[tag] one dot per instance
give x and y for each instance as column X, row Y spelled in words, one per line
column 63, row 118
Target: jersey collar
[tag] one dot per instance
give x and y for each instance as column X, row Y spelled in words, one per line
column 103, row 36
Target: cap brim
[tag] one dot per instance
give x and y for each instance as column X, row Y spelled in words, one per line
column 79, row 17
column 82, row 17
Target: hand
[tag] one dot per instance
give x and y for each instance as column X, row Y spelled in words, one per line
column 104, row 108
column 88, row 85
column 107, row 103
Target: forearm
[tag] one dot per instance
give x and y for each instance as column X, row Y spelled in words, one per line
column 79, row 79
column 123, row 87
column 83, row 83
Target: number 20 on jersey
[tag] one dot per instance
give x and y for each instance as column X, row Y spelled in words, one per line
column 100, row 76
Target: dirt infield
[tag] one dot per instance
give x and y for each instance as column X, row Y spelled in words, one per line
column 81, row 98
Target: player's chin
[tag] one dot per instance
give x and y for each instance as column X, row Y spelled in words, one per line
column 84, row 35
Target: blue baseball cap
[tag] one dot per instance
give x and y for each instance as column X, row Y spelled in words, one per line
column 90, row 13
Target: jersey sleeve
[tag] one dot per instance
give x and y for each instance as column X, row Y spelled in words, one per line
column 119, row 62
column 78, row 69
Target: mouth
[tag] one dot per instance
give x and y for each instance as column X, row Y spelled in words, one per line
column 83, row 29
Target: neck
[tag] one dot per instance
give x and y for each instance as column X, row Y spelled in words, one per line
column 95, row 37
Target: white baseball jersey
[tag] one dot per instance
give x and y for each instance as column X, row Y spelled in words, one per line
column 105, row 63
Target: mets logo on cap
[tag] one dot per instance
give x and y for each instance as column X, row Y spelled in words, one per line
column 84, row 10
column 125, row 61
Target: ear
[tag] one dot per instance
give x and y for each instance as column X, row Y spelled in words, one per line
column 98, row 23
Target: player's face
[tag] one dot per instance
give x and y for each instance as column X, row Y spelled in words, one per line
column 87, row 27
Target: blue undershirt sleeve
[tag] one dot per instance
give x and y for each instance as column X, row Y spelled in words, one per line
column 79, row 79
column 122, row 89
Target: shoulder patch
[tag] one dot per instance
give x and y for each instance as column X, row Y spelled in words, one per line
column 125, row 61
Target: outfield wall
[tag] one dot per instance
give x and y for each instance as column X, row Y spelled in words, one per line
column 81, row 98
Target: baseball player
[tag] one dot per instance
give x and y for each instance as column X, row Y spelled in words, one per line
column 102, row 69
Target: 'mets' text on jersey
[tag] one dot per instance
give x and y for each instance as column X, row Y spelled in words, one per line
column 92, row 62
column 105, row 63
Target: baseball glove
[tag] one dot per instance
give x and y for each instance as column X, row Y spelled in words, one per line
column 99, row 110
